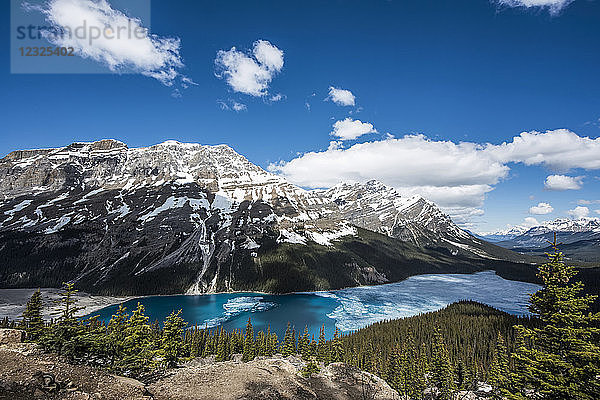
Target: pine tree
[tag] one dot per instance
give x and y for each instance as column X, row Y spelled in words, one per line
column 498, row 375
column 209, row 345
column 248, row 343
column 222, row 347
column 421, row 371
column 32, row 317
column 138, row 349
column 288, row 344
column 270, row 343
column 304, row 345
column 273, row 344
column 312, row 347
column 393, row 374
column 171, row 339
column 310, row 368
column 561, row 359
column 94, row 342
column 116, row 335
column 322, row 348
column 337, row 349
column 65, row 336
column 441, row 369
column 411, row 359
column 260, row 344
column 294, row 342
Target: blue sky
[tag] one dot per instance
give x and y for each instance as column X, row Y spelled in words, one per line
column 453, row 71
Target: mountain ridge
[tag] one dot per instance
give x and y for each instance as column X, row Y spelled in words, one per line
column 579, row 238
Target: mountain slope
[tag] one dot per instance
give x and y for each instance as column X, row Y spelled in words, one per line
column 190, row 218
column 580, row 239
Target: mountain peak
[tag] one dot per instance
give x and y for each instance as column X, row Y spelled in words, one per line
column 73, row 148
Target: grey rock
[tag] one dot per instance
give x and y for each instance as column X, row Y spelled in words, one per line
column 11, row 336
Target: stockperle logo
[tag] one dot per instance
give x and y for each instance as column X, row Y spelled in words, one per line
column 78, row 36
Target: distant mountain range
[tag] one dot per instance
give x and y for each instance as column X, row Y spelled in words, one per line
column 177, row 217
column 580, row 239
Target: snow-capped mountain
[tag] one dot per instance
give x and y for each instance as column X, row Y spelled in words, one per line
column 582, row 225
column 567, row 230
column 381, row 208
column 187, row 217
column 505, row 234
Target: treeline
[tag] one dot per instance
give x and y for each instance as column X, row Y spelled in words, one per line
column 554, row 355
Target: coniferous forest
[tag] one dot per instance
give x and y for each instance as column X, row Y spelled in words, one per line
column 554, row 354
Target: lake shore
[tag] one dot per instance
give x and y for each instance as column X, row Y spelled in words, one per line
column 13, row 301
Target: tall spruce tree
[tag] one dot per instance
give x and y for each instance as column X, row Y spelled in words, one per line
column 421, row 372
column 441, row 369
column 116, row 335
column 65, row 335
column 248, row 354
column 222, row 347
column 560, row 360
column 498, row 374
column 337, row 349
column 138, row 348
column 288, row 342
column 171, row 339
column 304, row 344
column 260, row 344
column 32, row 317
column 322, row 348
column 271, row 342
column 312, row 347
column 393, row 374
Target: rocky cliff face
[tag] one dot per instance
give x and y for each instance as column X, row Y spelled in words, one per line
column 181, row 217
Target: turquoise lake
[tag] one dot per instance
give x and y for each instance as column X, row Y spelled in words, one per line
column 348, row 309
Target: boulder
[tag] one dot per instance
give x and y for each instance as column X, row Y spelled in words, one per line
column 10, row 336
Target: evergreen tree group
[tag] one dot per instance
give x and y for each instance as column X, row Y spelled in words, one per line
column 560, row 359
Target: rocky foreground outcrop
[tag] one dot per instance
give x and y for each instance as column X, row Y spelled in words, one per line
column 27, row 373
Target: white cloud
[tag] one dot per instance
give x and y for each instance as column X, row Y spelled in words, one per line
column 587, row 202
column 529, row 222
column 579, row 212
column 456, row 176
column 335, row 145
column 563, row 182
column 238, row 106
column 554, row 6
column 250, row 73
column 113, row 39
column 341, row 97
column 277, row 97
column 597, row 211
column 541, row 209
column 559, row 149
column 349, row 129
column 233, row 105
